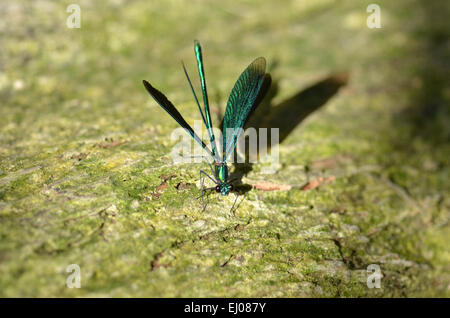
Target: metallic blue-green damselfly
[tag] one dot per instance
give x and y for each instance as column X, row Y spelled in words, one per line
column 245, row 96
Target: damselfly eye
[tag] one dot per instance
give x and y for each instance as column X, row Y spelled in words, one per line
column 218, row 189
column 231, row 188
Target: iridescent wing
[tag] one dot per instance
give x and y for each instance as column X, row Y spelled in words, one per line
column 242, row 101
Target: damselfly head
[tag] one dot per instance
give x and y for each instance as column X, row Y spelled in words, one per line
column 224, row 188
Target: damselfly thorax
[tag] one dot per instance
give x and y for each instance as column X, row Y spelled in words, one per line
column 221, row 175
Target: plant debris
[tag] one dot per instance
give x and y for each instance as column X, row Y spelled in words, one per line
column 80, row 156
column 317, row 183
column 270, row 186
column 109, row 145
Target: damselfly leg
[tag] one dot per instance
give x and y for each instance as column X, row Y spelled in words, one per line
column 202, row 178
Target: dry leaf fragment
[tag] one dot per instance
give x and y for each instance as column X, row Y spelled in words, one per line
column 317, row 182
column 269, row 186
column 162, row 186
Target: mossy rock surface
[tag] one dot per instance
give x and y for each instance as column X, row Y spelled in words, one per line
column 86, row 175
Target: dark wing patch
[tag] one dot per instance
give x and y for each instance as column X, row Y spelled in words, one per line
column 167, row 105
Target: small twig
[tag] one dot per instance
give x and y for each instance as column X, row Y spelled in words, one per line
column 226, row 263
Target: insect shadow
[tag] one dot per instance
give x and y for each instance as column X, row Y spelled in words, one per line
column 286, row 116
